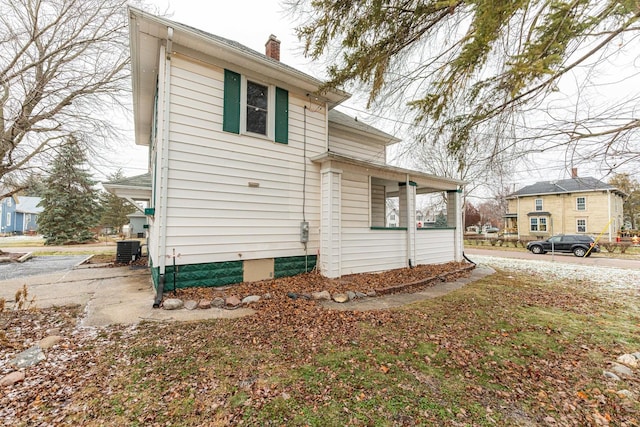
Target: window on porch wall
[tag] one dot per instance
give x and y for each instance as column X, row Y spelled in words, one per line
column 384, row 207
column 378, row 205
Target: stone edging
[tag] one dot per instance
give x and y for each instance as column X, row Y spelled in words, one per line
column 406, row 287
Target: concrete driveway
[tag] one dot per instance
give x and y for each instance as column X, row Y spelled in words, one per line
column 124, row 295
column 40, row 265
column 109, row 295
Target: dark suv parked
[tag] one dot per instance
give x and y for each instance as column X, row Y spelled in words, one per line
column 578, row 244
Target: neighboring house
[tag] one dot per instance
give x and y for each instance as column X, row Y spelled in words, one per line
column 19, row 214
column 254, row 175
column 137, row 224
column 570, row 206
column 393, row 218
column 423, row 218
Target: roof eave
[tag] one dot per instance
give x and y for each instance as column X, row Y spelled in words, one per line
column 591, row 190
column 184, row 35
column 449, row 183
column 133, row 192
column 386, row 140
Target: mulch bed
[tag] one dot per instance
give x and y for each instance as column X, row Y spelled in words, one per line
column 387, row 282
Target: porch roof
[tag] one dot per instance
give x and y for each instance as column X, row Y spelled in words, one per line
column 539, row 213
column 29, row 205
column 135, row 187
column 425, row 182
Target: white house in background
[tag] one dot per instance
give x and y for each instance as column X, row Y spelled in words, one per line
column 392, row 217
column 254, row 174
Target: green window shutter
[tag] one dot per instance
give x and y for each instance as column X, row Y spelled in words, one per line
column 231, row 108
column 282, row 116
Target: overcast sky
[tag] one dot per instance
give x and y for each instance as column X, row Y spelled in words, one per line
column 250, row 22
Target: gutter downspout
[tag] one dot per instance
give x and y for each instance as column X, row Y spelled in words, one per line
column 411, row 223
column 164, row 170
column 518, row 217
column 609, row 212
column 459, row 253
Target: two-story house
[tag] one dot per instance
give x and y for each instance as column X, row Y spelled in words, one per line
column 254, row 174
column 579, row 205
column 19, row 214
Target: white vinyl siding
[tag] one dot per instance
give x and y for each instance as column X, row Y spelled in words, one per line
column 434, row 246
column 330, row 252
column 364, row 249
column 213, row 214
column 378, row 205
column 342, row 143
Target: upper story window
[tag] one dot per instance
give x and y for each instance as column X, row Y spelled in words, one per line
column 538, row 203
column 581, row 203
column 255, row 108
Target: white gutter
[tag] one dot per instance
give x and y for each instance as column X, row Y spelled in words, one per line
column 164, row 170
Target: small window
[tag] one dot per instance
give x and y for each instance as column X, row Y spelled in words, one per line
column 538, row 205
column 8, row 218
column 542, row 224
column 581, row 225
column 392, row 217
column 581, row 203
column 257, row 101
column 534, row 224
column 255, row 108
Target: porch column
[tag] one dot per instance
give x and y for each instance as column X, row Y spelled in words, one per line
column 454, row 219
column 407, row 202
column 330, row 230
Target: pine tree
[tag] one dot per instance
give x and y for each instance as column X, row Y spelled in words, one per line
column 468, row 69
column 34, row 186
column 69, row 201
column 441, row 221
column 114, row 209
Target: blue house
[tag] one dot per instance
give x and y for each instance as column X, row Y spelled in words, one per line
column 19, row 215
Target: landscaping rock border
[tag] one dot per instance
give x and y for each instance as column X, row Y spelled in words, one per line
column 233, row 302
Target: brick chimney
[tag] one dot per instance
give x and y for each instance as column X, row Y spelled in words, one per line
column 272, row 48
column 574, row 172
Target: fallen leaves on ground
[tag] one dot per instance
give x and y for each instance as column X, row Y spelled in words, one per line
column 505, row 351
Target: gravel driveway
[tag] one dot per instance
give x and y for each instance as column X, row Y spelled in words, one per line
column 615, row 278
